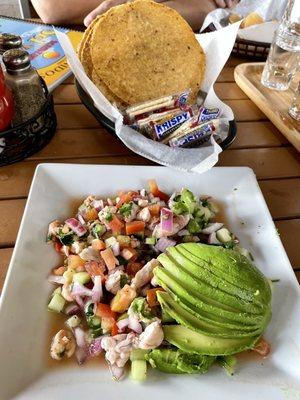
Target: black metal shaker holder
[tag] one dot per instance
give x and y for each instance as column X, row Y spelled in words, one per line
column 31, row 136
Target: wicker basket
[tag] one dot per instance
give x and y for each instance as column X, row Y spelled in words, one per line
column 29, row 137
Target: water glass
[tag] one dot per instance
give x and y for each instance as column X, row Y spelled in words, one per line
column 284, row 55
column 294, row 110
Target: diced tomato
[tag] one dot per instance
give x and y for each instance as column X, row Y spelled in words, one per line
column 133, row 267
column 109, row 258
column 114, row 329
column 129, row 253
column 98, row 244
column 94, row 268
column 57, row 246
column 126, row 198
column 116, row 225
column 156, row 192
column 134, row 227
column 154, row 209
column 151, row 296
column 104, row 311
column 262, row 348
column 122, row 300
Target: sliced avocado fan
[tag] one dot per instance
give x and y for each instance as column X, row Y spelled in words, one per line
column 174, row 361
column 215, row 293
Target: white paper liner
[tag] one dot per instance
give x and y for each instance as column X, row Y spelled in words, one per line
column 217, row 46
column 270, row 10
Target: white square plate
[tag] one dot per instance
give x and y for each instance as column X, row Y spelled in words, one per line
column 24, row 321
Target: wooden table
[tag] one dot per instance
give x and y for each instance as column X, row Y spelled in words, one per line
column 80, row 139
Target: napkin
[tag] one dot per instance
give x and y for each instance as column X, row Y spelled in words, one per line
column 271, row 10
column 217, row 47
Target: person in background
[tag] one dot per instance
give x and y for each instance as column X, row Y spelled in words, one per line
column 77, row 11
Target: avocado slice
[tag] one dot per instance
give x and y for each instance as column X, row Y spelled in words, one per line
column 201, row 269
column 190, row 341
column 228, row 264
column 197, row 308
column 190, row 277
column 184, row 317
column 174, row 361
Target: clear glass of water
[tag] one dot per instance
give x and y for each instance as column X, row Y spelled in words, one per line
column 294, row 110
column 284, row 55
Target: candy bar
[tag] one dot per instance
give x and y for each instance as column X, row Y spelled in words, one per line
column 163, row 128
column 195, row 136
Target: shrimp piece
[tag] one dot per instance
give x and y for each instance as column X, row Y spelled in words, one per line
column 144, row 275
column 63, row 344
column 53, row 227
column 152, row 336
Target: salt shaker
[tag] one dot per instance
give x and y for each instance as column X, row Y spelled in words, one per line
column 25, row 84
column 9, row 41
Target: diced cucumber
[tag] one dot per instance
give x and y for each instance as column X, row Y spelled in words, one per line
column 98, row 230
column 138, row 370
column 138, row 354
column 57, row 303
column 151, row 240
column 95, row 321
column 207, row 213
column 223, row 235
column 81, row 277
column 73, row 321
column 68, row 275
column 56, row 291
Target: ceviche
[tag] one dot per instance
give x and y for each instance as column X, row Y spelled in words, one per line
column 150, row 279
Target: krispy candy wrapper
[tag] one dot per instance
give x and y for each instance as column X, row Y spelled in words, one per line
column 271, row 11
column 217, row 47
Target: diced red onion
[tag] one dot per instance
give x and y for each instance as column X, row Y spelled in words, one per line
column 98, row 204
column 79, row 301
column 76, row 226
column 81, row 355
column 163, row 243
column 212, row 228
column 95, row 348
column 79, row 337
column 117, row 372
column 212, row 239
column 72, row 309
column 80, row 290
column 81, row 219
column 122, row 324
column 183, row 232
column 116, row 249
column 166, row 220
column 97, row 289
column 57, row 279
column 135, row 325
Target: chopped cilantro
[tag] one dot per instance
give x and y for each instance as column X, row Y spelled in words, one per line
column 125, row 210
column 66, row 238
column 108, row 217
column 229, row 245
column 123, row 280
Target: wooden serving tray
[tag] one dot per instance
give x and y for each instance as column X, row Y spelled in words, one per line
column 274, row 104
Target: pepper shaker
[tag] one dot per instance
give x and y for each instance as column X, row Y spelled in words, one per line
column 25, row 84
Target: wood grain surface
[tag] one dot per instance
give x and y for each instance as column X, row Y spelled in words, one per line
column 80, row 139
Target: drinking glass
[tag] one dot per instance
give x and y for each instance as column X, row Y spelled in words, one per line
column 284, row 55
